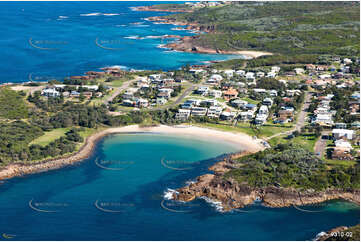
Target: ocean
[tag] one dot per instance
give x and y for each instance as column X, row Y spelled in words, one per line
column 121, row 191
column 47, row 40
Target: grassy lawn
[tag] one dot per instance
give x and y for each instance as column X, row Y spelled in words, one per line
column 340, row 162
column 307, row 141
column 49, row 136
column 263, row 131
column 249, row 100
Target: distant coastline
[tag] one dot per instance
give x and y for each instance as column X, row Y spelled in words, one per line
column 20, row 169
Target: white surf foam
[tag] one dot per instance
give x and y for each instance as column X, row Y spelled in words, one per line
column 90, row 14
column 168, row 194
column 217, row 205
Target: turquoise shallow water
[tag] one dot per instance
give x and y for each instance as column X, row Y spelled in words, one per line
column 118, row 194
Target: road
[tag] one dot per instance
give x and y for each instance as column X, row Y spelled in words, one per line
column 118, row 90
column 301, row 117
column 321, row 144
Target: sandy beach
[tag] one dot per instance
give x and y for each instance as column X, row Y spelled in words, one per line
column 244, row 142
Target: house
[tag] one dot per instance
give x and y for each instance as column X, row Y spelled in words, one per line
column 273, row 93
column 50, row 92
column 323, row 119
column 161, row 101
column 260, row 74
column 213, row 82
column 341, row 143
column 343, row 133
column 260, row 90
column 87, row 95
column 291, row 93
column 216, row 77
column 214, row 112
column 141, row 102
column 210, row 102
column 91, row 87
column 129, row 93
column 299, row 71
column 165, row 95
column 340, row 126
column 250, row 76
column 267, row 101
column 198, row 111
column 238, row 103
column 251, row 106
column 228, row 115
column 197, row 71
column 285, row 114
column 128, row 103
column 260, row 118
column 341, row 154
column 271, row 74
column 203, row 90
column 229, row 73
column 230, row 94
column 240, row 73
column 246, row 116
column 263, row 110
column 183, row 114
column 74, row 94
column 215, row 93
column 275, row 69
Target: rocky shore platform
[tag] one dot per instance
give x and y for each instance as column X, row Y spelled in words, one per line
column 235, row 195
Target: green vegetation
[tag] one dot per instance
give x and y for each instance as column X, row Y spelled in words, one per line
column 288, row 28
column 259, row 131
column 288, row 165
column 50, row 136
column 306, row 140
column 12, row 104
column 350, row 234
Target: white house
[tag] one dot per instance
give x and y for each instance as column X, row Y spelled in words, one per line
column 50, row 92
column 260, row 74
column 343, row 133
column 263, row 110
column 199, row 111
column 229, row 73
column 240, row 73
column 214, row 112
column 203, row 90
column 183, row 114
column 215, row 93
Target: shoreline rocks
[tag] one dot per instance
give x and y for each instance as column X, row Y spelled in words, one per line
column 233, row 195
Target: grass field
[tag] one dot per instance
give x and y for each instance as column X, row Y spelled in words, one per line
column 261, row 132
column 49, row 136
column 307, row 141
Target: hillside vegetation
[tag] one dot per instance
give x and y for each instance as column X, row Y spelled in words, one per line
column 293, row 166
column 280, row 27
column 12, row 104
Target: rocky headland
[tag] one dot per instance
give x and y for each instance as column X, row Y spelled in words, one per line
column 232, row 194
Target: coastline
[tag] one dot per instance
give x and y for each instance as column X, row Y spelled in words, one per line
column 20, row 169
column 184, row 44
column 232, row 195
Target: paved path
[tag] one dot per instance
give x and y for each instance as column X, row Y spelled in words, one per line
column 118, row 90
column 321, row 144
column 301, row 117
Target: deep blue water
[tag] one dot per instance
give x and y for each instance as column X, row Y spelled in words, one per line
column 52, row 40
column 130, row 199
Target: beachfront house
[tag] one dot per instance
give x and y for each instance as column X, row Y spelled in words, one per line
column 50, row 92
